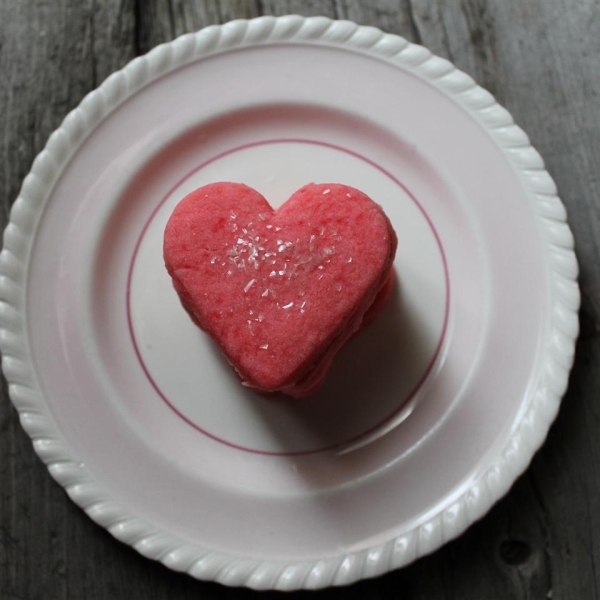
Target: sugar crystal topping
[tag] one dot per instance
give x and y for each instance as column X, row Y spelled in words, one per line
column 266, row 261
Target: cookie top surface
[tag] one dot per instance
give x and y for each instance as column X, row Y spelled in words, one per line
column 274, row 288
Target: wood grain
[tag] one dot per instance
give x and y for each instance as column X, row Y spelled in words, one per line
column 541, row 58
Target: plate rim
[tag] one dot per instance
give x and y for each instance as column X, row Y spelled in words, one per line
column 556, row 357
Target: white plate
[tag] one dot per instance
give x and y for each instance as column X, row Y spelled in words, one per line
column 426, row 418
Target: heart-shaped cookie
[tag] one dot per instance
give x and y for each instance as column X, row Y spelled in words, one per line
column 280, row 291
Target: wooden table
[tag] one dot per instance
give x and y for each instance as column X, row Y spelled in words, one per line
column 541, row 59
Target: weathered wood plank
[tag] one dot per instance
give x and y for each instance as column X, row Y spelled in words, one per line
column 308, row 8
column 541, row 58
column 161, row 20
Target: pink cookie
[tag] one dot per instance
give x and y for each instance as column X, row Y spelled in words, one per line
column 280, row 291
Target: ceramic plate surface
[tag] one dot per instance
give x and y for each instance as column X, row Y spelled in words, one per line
column 426, row 418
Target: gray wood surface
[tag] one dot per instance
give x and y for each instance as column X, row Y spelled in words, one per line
column 541, row 58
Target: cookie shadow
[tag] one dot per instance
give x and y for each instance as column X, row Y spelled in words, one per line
column 371, row 379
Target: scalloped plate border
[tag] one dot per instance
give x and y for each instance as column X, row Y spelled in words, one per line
column 61, row 460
